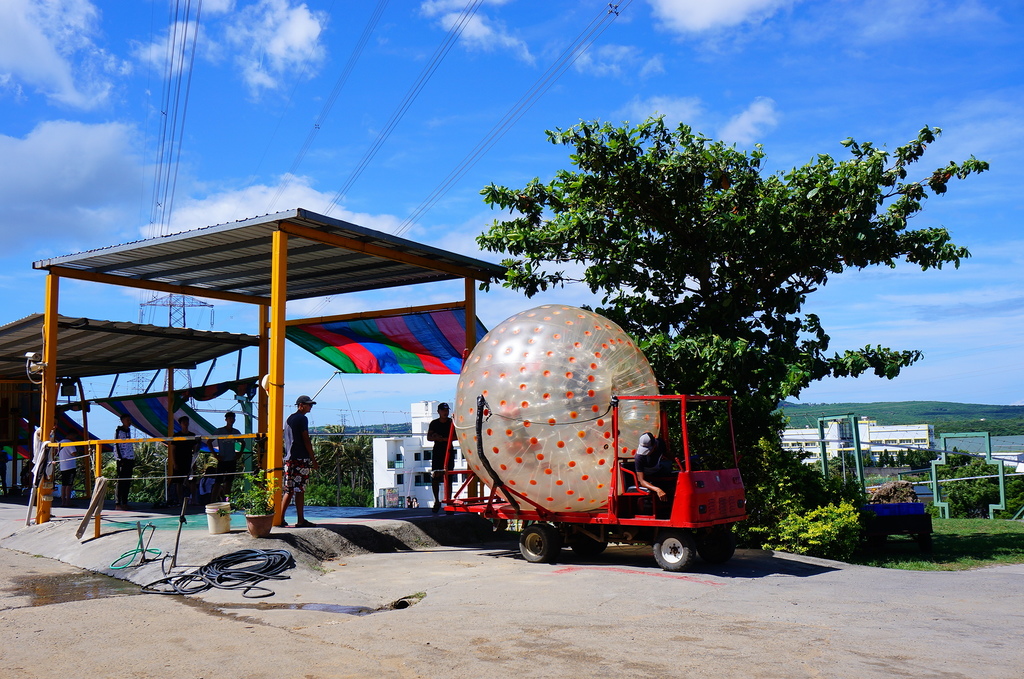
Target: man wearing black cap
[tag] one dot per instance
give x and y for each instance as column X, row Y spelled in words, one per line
column 299, row 460
column 441, row 432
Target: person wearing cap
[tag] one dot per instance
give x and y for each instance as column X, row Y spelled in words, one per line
column 299, row 461
column 441, row 432
column 650, row 460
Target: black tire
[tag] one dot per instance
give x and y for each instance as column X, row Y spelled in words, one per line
column 586, row 546
column 716, row 546
column 924, row 541
column 540, row 543
column 675, row 550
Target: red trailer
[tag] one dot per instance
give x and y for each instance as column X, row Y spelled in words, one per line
column 705, row 493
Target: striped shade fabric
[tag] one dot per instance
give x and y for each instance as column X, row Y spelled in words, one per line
column 431, row 343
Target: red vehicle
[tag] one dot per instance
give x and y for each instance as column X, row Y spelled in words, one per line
column 704, row 498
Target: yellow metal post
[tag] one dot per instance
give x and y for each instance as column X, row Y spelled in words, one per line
column 470, row 315
column 48, row 406
column 99, row 472
column 263, row 371
column 275, row 383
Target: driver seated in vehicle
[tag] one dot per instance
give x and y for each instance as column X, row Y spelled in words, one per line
column 650, row 461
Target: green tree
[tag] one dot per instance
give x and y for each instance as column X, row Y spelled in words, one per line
column 345, row 476
column 707, row 259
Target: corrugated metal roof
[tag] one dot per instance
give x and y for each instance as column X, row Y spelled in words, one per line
column 236, row 258
column 88, row 348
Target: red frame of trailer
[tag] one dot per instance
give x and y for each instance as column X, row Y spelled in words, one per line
column 700, row 499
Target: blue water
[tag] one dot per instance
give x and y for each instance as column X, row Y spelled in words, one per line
column 197, row 520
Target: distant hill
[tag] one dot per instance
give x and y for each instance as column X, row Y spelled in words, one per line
column 947, row 417
column 399, row 429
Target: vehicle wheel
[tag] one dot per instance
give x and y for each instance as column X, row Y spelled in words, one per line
column 924, row 541
column 540, row 543
column 675, row 550
column 586, row 546
column 717, row 546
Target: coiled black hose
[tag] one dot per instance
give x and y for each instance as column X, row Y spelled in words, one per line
column 243, row 570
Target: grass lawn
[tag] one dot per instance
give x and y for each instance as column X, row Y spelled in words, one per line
column 957, row 544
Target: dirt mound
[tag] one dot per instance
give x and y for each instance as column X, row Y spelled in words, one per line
column 894, row 491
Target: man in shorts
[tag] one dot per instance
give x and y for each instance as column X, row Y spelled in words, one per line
column 441, row 432
column 299, row 461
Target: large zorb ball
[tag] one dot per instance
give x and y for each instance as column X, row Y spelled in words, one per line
column 548, row 375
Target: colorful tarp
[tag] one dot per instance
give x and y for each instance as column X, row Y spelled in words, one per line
column 429, row 342
column 149, row 413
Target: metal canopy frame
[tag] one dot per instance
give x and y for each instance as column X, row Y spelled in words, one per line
column 90, row 348
column 265, row 261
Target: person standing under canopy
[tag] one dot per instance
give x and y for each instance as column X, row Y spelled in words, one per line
column 299, row 461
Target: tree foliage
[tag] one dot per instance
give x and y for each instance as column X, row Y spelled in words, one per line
column 707, row 259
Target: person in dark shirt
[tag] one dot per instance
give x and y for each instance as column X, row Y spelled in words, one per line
column 182, row 453
column 441, row 432
column 650, row 460
column 299, row 461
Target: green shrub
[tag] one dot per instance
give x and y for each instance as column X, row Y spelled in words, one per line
column 321, row 494
column 786, row 485
column 829, row 532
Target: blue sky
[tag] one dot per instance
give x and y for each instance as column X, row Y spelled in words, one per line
column 267, row 128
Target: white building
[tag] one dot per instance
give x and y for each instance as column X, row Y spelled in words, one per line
column 401, row 465
column 876, row 438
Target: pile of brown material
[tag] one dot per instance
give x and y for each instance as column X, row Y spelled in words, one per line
column 894, row 491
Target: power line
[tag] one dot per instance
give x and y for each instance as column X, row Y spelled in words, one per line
column 173, row 108
column 339, row 84
column 597, row 26
column 428, row 70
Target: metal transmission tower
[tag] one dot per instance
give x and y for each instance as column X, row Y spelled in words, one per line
column 177, row 307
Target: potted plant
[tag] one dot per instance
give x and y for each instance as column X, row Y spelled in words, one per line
column 257, row 501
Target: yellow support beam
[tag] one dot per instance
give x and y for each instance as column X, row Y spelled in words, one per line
column 48, row 406
column 378, row 251
column 156, row 286
column 470, row 316
column 363, row 315
column 263, row 370
column 275, row 381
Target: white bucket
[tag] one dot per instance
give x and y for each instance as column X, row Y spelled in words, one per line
column 218, row 522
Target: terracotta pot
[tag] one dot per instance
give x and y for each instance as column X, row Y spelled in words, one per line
column 259, row 525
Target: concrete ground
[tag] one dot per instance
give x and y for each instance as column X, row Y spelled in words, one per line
column 478, row 609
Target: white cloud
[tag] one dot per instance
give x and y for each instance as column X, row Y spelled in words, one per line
column 743, row 128
column 47, row 45
column 479, row 32
column 155, row 53
column 68, row 185
column 611, row 60
column 692, row 16
column 652, row 66
column 688, row 110
column 279, row 41
column 233, row 204
column 218, row 6
column 750, row 125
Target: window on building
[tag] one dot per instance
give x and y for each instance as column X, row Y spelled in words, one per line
column 399, row 479
column 416, row 457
